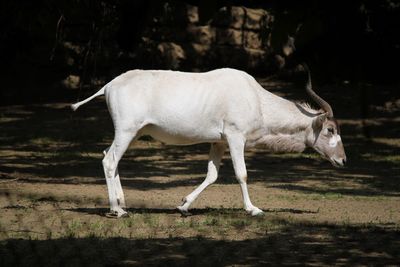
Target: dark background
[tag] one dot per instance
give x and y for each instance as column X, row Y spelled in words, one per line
column 52, row 194
column 63, row 50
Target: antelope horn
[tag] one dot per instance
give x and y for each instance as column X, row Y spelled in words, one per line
column 322, row 103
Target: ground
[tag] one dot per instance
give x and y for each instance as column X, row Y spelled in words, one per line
column 53, row 198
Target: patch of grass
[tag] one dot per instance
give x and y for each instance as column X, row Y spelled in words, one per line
column 265, row 225
column 96, row 229
column 152, row 220
column 328, row 195
column 315, row 196
column 211, row 221
column 73, row 229
column 131, row 221
column 181, row 223
column 240, row 224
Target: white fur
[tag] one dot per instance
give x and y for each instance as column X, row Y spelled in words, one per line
column 334, row 140
column 224, row 106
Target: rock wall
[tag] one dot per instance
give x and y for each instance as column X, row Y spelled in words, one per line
column 82, row 43
column 171, row 36
column 234, row 37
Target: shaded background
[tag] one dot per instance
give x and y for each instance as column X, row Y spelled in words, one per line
column 64, row 50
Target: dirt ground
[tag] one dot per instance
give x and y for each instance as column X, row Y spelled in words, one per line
column 53, row 197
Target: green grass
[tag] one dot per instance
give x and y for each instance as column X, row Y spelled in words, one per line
column 73, row 229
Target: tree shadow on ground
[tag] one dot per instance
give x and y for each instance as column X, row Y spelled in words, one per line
column 295, row 244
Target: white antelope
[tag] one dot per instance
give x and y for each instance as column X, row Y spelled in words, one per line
column 223, row 107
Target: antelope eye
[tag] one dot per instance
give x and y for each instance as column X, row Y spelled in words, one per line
column 330, row 130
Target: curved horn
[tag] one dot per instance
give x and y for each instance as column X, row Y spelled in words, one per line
column 322, row 103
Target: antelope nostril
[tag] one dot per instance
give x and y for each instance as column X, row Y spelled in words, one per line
column 344, row 161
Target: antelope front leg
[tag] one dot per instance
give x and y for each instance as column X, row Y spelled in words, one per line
column 236, row 147
column 216, row 152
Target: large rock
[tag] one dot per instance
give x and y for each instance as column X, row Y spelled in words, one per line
column 172, row 55
column 232, row 17
column 255, row 58
column 244, row 59
column 252, row 40
column 199, row 55
column 228, row 56
column 71, row 82
column 192, row 14
column 229, row 37
column 201, row 34
column 255, row 18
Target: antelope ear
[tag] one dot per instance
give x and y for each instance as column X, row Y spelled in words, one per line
column 319, row 121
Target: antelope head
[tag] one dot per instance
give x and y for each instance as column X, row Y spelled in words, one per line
column 325, row 134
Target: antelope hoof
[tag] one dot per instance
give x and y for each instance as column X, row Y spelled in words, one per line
column 256, row 212
column 120, row 213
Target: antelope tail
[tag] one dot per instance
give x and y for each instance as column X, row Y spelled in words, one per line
column 77, row 105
